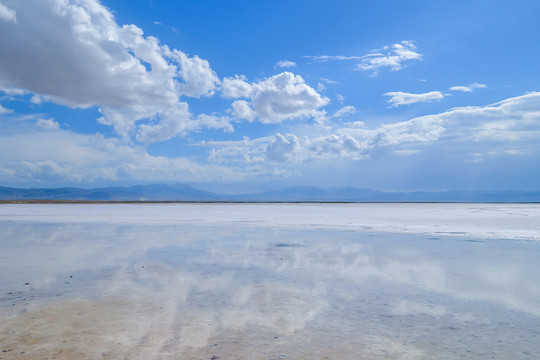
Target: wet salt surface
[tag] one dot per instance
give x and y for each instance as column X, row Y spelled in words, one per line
column 267, row 289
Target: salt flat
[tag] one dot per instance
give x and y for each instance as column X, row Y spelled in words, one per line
column 270, row 281
column 509, row 221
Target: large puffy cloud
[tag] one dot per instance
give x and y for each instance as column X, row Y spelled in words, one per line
column 285, row 96
column 398, row 98
column 75, row 54
column 281, row 97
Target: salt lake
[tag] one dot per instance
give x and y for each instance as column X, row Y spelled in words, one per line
column 270, row 281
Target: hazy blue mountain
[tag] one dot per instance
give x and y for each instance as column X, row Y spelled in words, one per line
column 366, row 195
column 307, row 193
column 182, row 192
column 154, row 192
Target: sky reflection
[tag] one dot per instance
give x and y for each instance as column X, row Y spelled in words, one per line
column 197, row 290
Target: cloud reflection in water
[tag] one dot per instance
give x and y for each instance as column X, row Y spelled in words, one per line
column 195, row 289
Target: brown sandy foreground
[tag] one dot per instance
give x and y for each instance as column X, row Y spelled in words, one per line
column 121, row 329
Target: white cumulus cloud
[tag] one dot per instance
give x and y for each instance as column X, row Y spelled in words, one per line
column 236, row 87
column 197, row 76
column 242, row 110
column 281, row 97
column 336, row 146
column 73, row 52
column 282, row 147
column 398, row 98
column 81, row 57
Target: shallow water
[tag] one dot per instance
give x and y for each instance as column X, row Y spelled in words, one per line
column 240, row 289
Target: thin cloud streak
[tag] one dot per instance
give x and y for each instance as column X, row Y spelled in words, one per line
column 392, row 57
column 398, row 98
column 469, row 88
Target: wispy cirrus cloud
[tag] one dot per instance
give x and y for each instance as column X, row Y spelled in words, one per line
column 47, row 124
column 344, row 111
column 392, row 57
column 328, row 81
column 326, row 58
column 7, row 14
column 284, row 64
column 3, row 110
column 469, row 88
column 63, row 156
column 398, row 98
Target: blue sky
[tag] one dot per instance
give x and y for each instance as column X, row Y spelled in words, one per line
column 241, row 96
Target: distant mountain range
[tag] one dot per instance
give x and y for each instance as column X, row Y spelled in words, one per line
column 182, row 192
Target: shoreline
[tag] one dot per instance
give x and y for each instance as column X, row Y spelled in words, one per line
column 53, row 201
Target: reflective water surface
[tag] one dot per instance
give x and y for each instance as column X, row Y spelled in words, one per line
column 203, row 290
